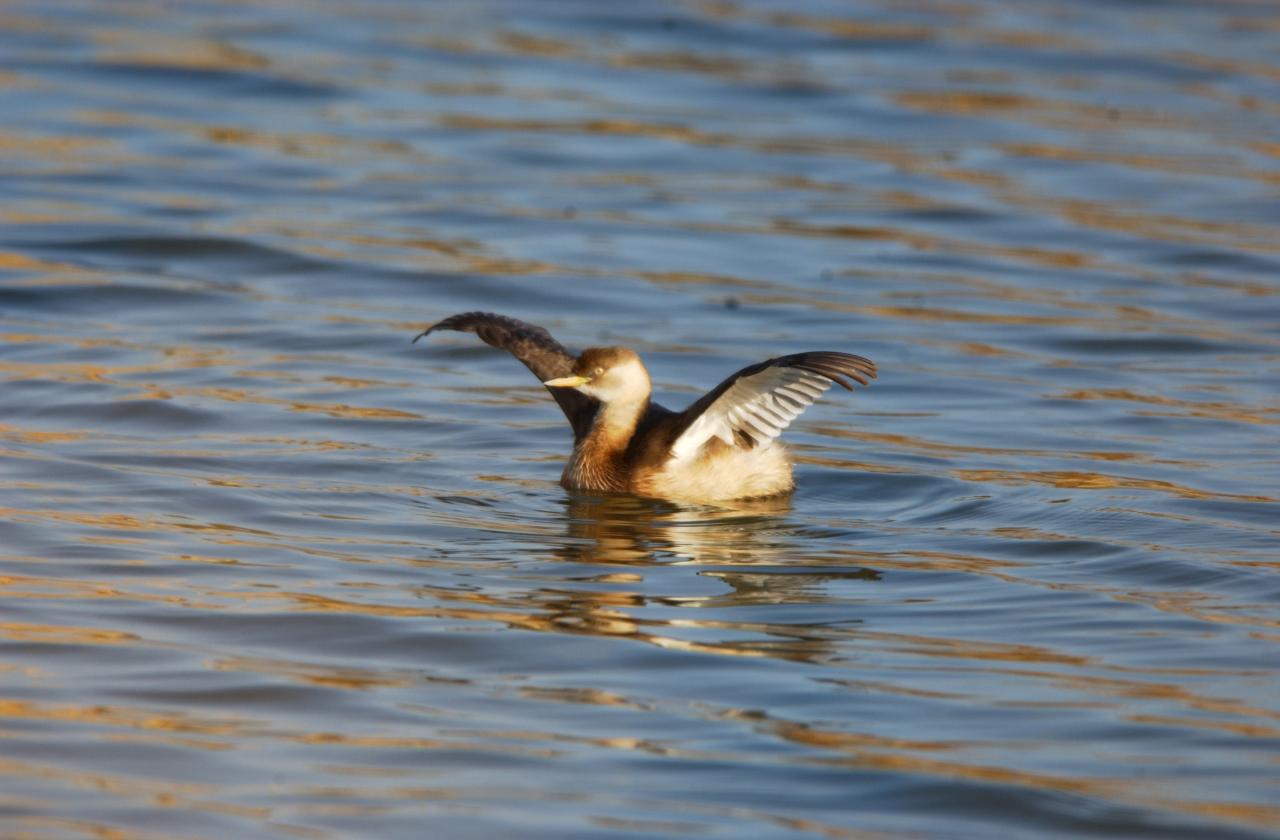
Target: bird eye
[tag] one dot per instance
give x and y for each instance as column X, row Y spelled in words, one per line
column 597, row 371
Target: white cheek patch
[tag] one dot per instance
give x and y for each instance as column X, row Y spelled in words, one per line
column 618, row 383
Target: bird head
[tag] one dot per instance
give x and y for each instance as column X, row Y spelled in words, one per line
column 610, row 374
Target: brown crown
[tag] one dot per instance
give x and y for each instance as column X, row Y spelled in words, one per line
column 602, row 357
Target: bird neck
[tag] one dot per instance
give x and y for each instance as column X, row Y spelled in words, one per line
column 598, row 461
column 616, row 421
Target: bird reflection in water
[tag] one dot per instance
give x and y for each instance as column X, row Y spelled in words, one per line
column 632, row 530
column 750, row 539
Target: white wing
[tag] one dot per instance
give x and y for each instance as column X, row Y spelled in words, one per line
column 753, row 406
column 759, row 406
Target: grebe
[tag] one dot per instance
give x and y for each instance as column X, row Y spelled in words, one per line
column 718, row 449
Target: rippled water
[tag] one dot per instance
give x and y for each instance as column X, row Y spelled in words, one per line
column 268, row 570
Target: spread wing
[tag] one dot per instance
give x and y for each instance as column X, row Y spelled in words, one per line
column 533, row 346
column 753, row 406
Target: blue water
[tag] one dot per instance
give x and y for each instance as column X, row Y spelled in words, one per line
column 268, row 570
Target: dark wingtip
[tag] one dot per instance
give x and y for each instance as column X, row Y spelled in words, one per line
column 453, row 322
column 841, row 368
column 463, row 322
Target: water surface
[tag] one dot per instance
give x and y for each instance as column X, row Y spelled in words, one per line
column 268, row 570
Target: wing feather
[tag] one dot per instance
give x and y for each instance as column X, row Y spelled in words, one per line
column 753, row 406
column 536, row 349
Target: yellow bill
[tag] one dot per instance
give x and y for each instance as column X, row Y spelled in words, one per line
column 567, row 382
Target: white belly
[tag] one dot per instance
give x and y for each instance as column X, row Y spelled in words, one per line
column 721, row 473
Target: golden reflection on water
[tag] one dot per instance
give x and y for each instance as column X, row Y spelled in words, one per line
column 1099, row 481
column 51, row 634
column 1217, row 410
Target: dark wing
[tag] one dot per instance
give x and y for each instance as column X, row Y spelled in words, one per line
column 753, row 406
column 534, row 346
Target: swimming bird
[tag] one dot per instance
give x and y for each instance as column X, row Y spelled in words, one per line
column 722, row 447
